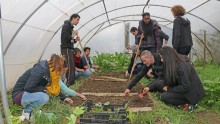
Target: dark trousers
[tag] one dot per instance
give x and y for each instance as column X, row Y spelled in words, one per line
column 70, row 74
column 184, row 50
column 156, row 85
column 174, row 99
column 151, row 49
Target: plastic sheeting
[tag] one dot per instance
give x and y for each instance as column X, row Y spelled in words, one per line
column 38, row 24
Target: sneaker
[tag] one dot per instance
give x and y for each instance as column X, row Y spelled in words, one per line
column 25, row 115
column 192, row 108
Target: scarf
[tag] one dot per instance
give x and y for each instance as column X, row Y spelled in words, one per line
column 77, row 59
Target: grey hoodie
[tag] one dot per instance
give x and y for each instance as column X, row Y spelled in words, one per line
column 181, row 33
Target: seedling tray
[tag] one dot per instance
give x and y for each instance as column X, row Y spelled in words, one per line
column 106, row 114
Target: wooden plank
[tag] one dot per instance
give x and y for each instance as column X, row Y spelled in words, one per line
column 108, row 94
column 113, row 78
column 140, row 109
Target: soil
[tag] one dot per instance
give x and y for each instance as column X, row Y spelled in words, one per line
column 134, row 101
column 208, row 117
column 106, row 86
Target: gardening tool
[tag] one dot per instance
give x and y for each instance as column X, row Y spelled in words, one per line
column 136, row 56
column 141, row 94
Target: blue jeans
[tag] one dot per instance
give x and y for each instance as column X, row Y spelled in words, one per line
column 33, row 100
column 85, row 73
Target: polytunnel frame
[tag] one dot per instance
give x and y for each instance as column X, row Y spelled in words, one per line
column 1, row 49
column 134, row 6
column 123, row 8
column 138, row 20
column 2, row 79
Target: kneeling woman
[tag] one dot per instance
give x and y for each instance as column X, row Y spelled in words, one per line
column 182, row 84
column 33, row 88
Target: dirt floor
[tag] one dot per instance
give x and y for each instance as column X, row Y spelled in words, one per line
column 107, row 86
column 134, row 101
column 208, row 117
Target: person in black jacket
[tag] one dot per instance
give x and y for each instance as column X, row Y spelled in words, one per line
column 182, row 38
column 68, row 38
column 182, row 84
column 150, row 33
column 152, row 65
column 33, row 88
column 138, row 65
column 163, row 36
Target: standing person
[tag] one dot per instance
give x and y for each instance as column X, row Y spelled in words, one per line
column 149, row 28
column 34, row 87
column 68, row 38
column 182, row 85
column 182, row 38
column 137, row 35
column 86, row 54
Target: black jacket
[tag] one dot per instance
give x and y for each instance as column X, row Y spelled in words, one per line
column 34, row 80
column 156, row 67
column 66, row 34
column 181, row 33
column 188, row 84
column 150, row 40
column 163, row 36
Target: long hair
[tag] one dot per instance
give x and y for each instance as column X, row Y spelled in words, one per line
column 57, row 63
column 171, row 60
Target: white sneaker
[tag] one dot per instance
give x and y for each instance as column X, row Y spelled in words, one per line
column 25, row 115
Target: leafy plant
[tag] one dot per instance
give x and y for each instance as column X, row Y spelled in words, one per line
column 76, row 113
column 111, row 62
column 209, row 74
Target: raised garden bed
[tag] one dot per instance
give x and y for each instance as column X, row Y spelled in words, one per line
column 107, row 87
column 134, row 101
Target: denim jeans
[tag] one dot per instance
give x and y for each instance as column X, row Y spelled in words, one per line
column 85, row 73
column 33, row 100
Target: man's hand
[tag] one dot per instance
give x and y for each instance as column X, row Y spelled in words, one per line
column 146, row 89
column 149, row 72
column 165, row 88
column 127, row 91
column 77, row 38
column 142, row 35
column 68, row 100
column 74, row 36
column 164, row 44
column 129, row 47
column 126, row 74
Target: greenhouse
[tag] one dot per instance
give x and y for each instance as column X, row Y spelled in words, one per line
column 110, row 61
